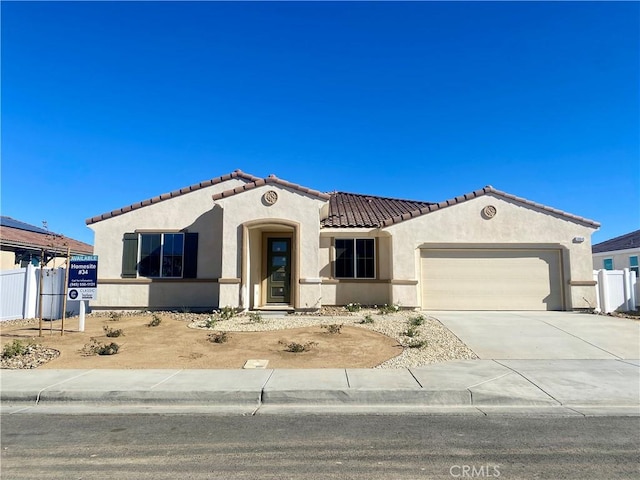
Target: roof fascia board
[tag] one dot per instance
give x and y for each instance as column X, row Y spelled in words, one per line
column 271, row 180
column 484, row 191
column 176, row 193
column 609, row 253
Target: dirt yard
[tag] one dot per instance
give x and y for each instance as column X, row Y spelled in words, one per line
column 173, row 345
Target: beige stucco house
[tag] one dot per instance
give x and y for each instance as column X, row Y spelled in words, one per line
column 260, row 243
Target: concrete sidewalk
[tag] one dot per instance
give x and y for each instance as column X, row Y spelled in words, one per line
column 563, row 387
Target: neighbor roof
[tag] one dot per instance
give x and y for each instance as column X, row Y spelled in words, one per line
column 623, row 242
column 17, row 234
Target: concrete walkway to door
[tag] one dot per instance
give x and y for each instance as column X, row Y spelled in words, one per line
column 544, row 335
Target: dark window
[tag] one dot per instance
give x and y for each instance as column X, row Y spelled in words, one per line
column 161, row 255
column 165, row 255
column 355, row 258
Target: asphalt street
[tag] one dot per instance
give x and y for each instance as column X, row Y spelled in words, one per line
column 194, row 446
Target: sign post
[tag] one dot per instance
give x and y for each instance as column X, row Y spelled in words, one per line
column 83, row 282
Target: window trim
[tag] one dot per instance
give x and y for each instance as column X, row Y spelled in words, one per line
column 636, row 267
column 162, row 234
column 355, row 259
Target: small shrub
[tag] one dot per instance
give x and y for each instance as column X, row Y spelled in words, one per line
column 97, row 348
column 115, row 316
column 227, row 313
column 255, row 317
column 353, row 307
column 155, row 321
column 414, row 343
column 411, row 332
column 211, row 322
column 386, row 309
column 416, row 321
column 295, row 347
column 14, row 349
column 112, row 332
column 367, row 319
column 333, row 329
column 219, row 337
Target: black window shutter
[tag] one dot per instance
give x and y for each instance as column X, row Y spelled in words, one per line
column 190, row 255
column 130, row 255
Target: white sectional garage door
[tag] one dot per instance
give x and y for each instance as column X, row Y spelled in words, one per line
column 491, row 279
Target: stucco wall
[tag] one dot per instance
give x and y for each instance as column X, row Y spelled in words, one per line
column 193, row 211
column 514, row 224
column 294, row 212
column 620, row 258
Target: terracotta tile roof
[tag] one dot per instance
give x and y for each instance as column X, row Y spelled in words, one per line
column 355, row 210
column 176, row 193
column 16, row 234
column 623, row 242
column 479, row 193
column 271, row 179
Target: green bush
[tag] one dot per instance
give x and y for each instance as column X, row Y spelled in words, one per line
column 14, row 349
column 211, row 322
column 367, row 319
column 416, row 321
column 97, row 348
column 227, row 313
column 386, row 309
column 353, row 307
column 414, row 343
column 155, row 321
column 411, row 332
column 255, row 317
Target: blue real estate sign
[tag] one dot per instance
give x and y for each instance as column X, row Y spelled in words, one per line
column 83, row 277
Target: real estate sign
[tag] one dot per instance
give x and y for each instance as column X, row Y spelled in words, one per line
column 83, row 277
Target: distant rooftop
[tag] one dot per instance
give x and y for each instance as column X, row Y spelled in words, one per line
column 623, row 242
column 15, row 235
column 13, row 223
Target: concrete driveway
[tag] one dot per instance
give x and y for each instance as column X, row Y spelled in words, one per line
column 544, row 335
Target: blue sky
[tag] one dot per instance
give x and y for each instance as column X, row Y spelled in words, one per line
column 107, row 104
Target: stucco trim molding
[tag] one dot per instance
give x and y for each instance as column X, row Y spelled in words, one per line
column 404, row 282
column 310, row 281
column 583, row 283
column 146, row 281
column 229, row 281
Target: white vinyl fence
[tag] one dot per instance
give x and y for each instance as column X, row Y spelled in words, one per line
column 20, row 294
column 616, row 290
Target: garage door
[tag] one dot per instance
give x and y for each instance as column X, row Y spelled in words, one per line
column 488, row 279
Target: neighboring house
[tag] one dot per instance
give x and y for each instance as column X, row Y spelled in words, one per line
column 22, row 244
column 618, row 253
column 259, row 243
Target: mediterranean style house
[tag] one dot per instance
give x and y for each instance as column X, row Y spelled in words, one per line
column 265, row 243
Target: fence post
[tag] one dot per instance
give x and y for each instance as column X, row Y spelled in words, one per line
column 626, row 279
column 604, row 290
column 596, row 277
column 30, row 292
column 633, row 281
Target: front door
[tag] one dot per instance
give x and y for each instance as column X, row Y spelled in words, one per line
column 278, row 270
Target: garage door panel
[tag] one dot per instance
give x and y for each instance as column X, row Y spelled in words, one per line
column 486, row 279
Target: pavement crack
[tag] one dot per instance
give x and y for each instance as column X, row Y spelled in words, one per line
column 60, row 383
column 165, row 380
column 582, row 339
column 528, row 380
column 261, row 396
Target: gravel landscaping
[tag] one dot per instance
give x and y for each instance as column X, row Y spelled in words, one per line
column 436, row 342
column 441, row 344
